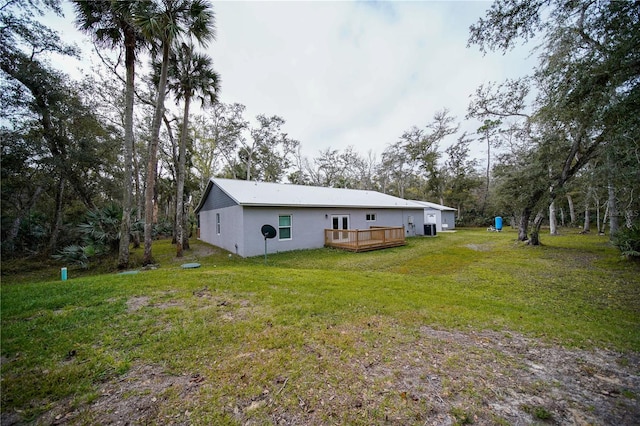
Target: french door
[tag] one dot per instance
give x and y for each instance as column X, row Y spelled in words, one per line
column 340, row 222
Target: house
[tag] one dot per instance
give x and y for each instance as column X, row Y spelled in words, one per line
column 444, row 217
column 232, row 213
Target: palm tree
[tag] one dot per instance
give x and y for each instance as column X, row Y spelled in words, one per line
column 165, row 22
column 190, row 74
column 110, row 23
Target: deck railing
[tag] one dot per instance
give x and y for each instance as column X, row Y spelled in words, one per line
column 376, row 237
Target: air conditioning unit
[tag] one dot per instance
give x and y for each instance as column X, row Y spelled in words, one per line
column 430, row 229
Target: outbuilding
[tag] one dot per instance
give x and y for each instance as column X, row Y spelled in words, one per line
column 232, row 212
column 442, row 216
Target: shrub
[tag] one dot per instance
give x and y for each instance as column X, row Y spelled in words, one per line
column 628, row 241
column 74, row 255
column 100, row 234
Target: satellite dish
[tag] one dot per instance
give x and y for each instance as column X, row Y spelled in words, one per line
column 268, row 231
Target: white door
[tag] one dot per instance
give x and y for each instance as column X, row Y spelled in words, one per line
column 340, row 222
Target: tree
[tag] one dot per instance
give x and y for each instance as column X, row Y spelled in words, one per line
column 22, row 186
column 518, row 187
column 215, row 140
column 462, row 177
column 587, row 80
column 428, row 154
column 270, row 152
column 346, row 169
column 73, row 146
column 421, row 149
column 397, row 170
column 488, row 131
column 190, row 74
column 163, row 23
column 110, row 23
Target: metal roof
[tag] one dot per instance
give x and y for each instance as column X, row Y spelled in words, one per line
column 434, row 206
column 251, row 193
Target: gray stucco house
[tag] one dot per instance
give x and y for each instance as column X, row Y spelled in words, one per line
column 444, row 217
column 232, row 212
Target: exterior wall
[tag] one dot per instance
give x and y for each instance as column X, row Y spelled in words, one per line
column 449, row 218
column 308, row 225
column 231, row 228
column 306, row 229
column 440, row 217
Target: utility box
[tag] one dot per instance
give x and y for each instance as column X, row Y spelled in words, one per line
column 430, row 229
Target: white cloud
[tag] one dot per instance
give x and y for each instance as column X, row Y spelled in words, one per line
column 344, row 73
column 348, row 73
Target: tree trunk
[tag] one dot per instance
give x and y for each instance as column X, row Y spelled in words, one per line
column 152, row 163
column 182, row 152
column 523, row 224
column 486, row 190
column 613, row 210
column 139, row 198
column 125, row 224
column 249, row 163
column 15, row 226
column 186, row 223
column 629, row 216
column 535, row 233
column 553, row 225
column 572, row 211
column 171, row 205
column 187, row 229
column 587, row 219
column 57, row 219
column 598, row 227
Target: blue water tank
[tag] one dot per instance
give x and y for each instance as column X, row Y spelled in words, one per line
column 498, row 223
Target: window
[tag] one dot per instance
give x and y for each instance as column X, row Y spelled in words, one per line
column 284, row 227
column 371, row 217
column 218, row 223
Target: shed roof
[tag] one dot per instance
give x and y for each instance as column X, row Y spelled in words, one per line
column 251, row 193
column 434, row 206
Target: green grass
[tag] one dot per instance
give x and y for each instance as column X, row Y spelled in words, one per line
column 298, row 325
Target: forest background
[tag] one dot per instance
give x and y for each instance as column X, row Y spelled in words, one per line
column 90, row 167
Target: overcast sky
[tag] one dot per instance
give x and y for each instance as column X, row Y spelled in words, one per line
column 351, row 73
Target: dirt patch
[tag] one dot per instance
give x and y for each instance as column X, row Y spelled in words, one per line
column 135, row 398
column 446, row 378
column 168, row 304
column 435, row 377
column 479, row 247
column 479, row 377
column 236, row 310
column 203, row 250
column 137, row 303
column 203, row 292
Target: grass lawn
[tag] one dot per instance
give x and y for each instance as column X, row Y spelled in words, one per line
column 466, row 327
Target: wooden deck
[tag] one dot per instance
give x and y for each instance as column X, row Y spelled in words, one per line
column 358, row 240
